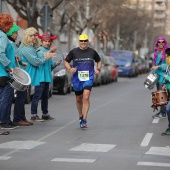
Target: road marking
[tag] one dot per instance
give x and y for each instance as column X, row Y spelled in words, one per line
column 73, row 160
column 155, row 120
column 146, row 139
column 4, row 157
column 21, row 144
column 66, row 125
column 154, row 164
column 159, row 151
column 89, row 147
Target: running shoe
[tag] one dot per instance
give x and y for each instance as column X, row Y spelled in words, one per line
column 166, row 133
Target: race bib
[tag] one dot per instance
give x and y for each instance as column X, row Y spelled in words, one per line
column 83, row 75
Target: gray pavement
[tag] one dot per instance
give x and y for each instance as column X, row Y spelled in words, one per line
column 121, row 135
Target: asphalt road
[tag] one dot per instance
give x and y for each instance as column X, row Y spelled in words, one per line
column 121, row 134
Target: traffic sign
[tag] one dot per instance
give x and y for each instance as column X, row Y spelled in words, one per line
column 46, row 14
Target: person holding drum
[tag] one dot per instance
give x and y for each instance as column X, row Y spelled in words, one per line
column 19, row 118
column 42, row 90
column 7, row 65
column 159, row 58
column 27, row 50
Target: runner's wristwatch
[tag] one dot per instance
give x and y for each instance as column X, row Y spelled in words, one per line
column 98, row 69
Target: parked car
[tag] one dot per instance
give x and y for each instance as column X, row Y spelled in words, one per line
column 104, row 71
column 108, row 68
column 62, row 78
column 126, row 62
column 97, row 78
column 114, row 68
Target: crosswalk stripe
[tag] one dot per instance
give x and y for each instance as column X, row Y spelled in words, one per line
column 146, row 139
column 73, row 160
column 5, row 157
column 154, row 164
column 89, row 147
column 155, row 120
column 165, row 151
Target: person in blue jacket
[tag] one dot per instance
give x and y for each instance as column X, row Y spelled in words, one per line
column 7, row 65
column 160, row 58
column 42, row 90
column 27, row 50
column 19, row 118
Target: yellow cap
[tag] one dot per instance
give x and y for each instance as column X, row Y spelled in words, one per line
column 83, row 37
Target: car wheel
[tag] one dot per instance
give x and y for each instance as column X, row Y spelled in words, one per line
column 28, row 98
column 69, row 89
column 50, row 93
column 63, row 91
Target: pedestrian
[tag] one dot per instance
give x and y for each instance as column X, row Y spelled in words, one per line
column 83, row 74
column 45, row 78
column 27, row 51
column 7, row 65
column 19, row 118
column 159, row 58
column 167, row 87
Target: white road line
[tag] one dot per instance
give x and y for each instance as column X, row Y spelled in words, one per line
column 164, row 151
column 4, row 157
column 73, row 160
column 89, row 147
column 62, row 127
column 155, row 120
column 154, row 164
column 146, row 139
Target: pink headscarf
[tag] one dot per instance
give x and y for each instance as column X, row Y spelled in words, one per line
column 156, row 49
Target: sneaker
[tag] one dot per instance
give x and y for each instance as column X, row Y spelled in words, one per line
column 84, row 124
column 48, row 117
column 7, row 126
column 36, row 118
column 4, row 132
column 160, row 115
column 81, row 122
column 13, row 124
column 167, row 132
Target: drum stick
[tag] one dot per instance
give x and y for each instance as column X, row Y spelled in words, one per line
column 18, row 76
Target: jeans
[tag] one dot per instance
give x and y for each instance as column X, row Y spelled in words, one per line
column 41, row 92
column 19, row 107
column 6, row 97
column 159, row 87
column 168, row 112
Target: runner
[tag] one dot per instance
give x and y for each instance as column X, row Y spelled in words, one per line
column 83, row 74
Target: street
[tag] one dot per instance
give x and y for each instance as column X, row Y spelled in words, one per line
column 121, row 134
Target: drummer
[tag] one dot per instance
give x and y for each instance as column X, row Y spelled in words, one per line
column 167, row 86
column 27, row 50
column 7, row 64
column 166, row 67
column 19, row 118
column 159, row 58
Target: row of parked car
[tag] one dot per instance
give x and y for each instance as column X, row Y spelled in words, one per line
column 117, row 63
column 129, row 64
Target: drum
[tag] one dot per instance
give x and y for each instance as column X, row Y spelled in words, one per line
column 20, row 79
column 151, row 80
column 160, row 98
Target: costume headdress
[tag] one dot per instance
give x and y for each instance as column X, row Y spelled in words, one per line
column 6, row 22
column 47, row 37
column 156, row 49
column 27, row 39
column 14, row 29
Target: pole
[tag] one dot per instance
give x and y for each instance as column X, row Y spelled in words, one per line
column 117, row 37
column 0, row 6
column 46, row 13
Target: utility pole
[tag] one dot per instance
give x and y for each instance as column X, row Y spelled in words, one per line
column 0, row 6
column 117, row 37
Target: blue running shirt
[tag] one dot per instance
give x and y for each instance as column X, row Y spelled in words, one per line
column 83, row 60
